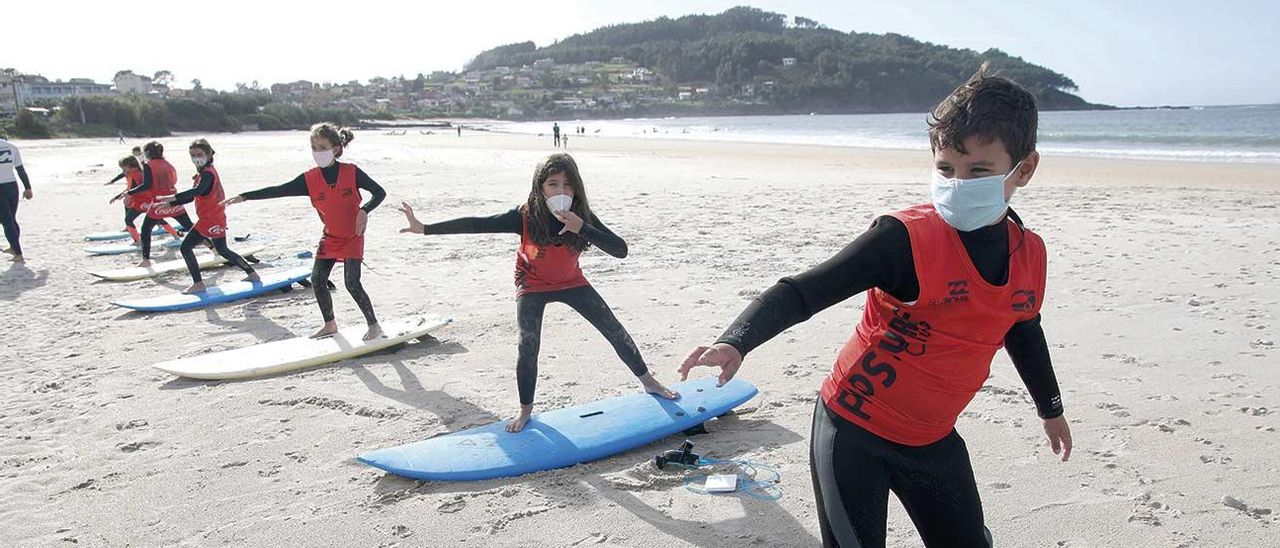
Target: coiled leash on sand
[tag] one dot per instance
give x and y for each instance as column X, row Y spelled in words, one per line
column 749, row 474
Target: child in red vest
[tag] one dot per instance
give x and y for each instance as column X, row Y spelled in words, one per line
column 334, row 188
column 949, row 283
column 555, row 226
column 159, row 178
column 206, row 192
column 134, row 205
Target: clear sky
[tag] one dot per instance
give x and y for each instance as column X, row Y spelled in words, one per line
column 1123, row 52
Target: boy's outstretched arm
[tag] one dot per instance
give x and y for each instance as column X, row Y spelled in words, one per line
column 873, row 259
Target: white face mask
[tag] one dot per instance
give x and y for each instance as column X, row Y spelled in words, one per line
column 559, row 202
column 970, row 204
column 199, row 161
column 139, row 158
column 323, row 157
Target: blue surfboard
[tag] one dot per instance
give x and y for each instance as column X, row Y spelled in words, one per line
column 232, row 291
column 121, row 249
column 563, row 437
column 121, row 234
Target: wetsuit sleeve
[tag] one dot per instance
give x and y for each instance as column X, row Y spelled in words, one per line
column 1029, row 352
column 189, row 195
column 117, row 178
column 376, row 192
column 22, row 174
column 879, row 257
column 146, row 181
column 508, row 222
column 600, row 236
column 296, row 187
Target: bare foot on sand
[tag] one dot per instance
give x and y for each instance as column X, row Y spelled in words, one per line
column 146, row 263
column 374, row 332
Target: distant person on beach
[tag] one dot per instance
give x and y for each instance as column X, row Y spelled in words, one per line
column 120, row 135
column 459, row 130
column 206, row 191
column 556, row 225
column 949, row 283
column 334, row 188
column 159, row 178
column 11, row 170
column 555, row 130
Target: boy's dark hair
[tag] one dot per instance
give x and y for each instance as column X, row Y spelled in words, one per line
column 990, row 107
column 130, row 161
column 153, row 150
column 535, row 208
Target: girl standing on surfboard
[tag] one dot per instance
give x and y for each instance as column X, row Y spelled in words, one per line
column 555, row 226
column 134, row 205
column 334, row 188
column 206, row 192
column 159, row 178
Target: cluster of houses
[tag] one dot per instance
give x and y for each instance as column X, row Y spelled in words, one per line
column 541, row 88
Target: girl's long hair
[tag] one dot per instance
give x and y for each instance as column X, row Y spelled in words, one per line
column 539, row 215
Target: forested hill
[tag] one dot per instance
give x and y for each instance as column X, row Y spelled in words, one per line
column 791, row 64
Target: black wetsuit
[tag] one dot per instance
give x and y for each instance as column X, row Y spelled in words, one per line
column 323, row 267
column 9, row 197
column 854, row 470
column 194, row 238
column 531, row 305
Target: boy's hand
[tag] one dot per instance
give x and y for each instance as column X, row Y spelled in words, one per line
column 415, row 226
column 721, row 355
column 28, row 194
column 572, row 222
column 1059, row 436
column 232, row 200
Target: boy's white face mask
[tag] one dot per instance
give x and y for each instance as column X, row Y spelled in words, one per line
column 970, row 204
column 323, row 157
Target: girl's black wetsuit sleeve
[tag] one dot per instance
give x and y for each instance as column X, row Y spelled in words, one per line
column 146, row 181
column 116, row 178
column 600, row 236
column 189, row 195
column 502, row 223
column 298, row 187
column 881, row 257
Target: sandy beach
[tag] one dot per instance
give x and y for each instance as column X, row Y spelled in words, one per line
column 1162, row 313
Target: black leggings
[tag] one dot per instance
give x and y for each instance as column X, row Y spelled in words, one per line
column 193, row 239
column 350, row 275
column 131, row 215
column 590, row 305
column 149, row 224
column 9, row 215
column 853, row 471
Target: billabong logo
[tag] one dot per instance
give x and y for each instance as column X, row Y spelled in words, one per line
column 1024, row 300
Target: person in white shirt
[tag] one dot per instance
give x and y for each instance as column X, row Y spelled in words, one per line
column 11, row 169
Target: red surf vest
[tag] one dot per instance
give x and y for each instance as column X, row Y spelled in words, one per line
column 337, row 205
column 209, row 207
column 542, row 268
column 910, row 368
column 139, row 200
column 164, row 178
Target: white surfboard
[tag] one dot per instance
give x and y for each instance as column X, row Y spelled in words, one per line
column 299, row 352
column 206, row 260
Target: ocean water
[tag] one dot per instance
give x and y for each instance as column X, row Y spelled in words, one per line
column 1249, row 133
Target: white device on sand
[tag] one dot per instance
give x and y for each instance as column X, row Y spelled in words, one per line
column 721, row 483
